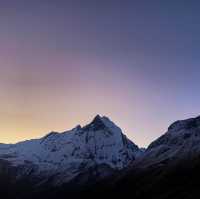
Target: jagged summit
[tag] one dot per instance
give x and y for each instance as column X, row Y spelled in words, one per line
column 102, row 119
column 100, row 123
column 97, row 118
column 96, row 124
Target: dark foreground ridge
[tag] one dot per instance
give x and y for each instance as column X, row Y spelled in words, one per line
column 98, row 161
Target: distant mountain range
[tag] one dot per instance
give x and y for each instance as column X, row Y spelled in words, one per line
column 98, row 160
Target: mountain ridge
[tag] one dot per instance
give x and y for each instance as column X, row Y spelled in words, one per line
column 98, row 159
column 68, row 153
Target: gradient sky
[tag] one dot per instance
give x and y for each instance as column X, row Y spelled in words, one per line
column 64, row 61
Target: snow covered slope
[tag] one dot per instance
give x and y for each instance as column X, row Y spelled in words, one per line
column 181, row 141
column 64, row 156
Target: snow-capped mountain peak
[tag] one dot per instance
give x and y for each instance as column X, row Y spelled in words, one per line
column 72, row 152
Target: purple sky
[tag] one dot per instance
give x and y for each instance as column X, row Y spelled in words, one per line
column 63, row 62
